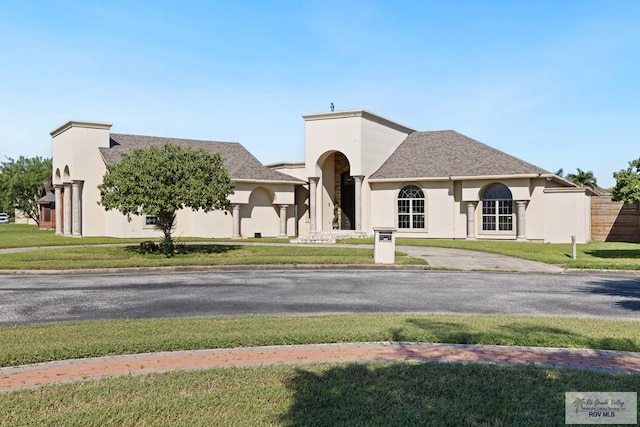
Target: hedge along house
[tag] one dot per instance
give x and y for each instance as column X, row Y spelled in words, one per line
column 360, row 171
column 373, row 172
column 263, row 200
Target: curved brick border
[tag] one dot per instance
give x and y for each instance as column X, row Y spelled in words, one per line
column 80, row 369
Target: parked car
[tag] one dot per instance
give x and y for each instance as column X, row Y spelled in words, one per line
column 4, row 218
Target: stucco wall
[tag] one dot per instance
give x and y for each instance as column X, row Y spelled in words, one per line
column 302, row 203
column 378, row 143
column 258, row 212
column 365, row 139
column 76, row 150
column 300, row 206
column 567, row 213
column 20, row 218
column 296, row 170
column 535, row 220
column 472, row 189
column 322, row 137
column 76, row 157
column 551, row 215
column 459, row 212
column 188, row 224
column 440, row 208
column 259, row 215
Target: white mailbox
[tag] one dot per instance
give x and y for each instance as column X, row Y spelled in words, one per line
column 384, row 245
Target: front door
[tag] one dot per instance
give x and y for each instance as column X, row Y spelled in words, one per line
column 347, row 201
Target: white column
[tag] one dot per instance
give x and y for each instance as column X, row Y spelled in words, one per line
column 236, row 221
column 313, row 185
column 471, row 220
column 357, row 179
column 521, row 204
column 76, row 208
column 66, row 229
column 283, row 220
column 58, row 206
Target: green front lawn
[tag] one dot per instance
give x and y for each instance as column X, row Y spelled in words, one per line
column 24, row 236
column 594, row 255
column 28, row 236
column 196, row 255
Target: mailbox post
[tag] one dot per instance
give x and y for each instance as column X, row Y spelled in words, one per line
column 384, row 245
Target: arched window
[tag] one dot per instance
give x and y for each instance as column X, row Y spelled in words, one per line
column 497, row 208
column 411, row 208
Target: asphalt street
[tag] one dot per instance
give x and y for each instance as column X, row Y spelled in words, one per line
column 56, row 298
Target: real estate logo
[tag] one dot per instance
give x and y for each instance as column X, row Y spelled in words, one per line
column 601, row 408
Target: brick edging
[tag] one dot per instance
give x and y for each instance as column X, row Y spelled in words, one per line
column 28, row 376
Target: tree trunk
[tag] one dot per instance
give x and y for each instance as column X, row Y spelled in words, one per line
column 166, row 222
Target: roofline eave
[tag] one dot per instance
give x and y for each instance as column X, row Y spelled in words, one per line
column 463, row 177
column 267, row 181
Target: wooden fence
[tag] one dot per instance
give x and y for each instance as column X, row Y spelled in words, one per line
column 614, row 221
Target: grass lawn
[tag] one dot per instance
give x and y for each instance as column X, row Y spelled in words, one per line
column 197, row 255
column 593, row 255
column 387, row 394
column 24, row 236
column 380, row 394
column 114, row 253
column 40, row 343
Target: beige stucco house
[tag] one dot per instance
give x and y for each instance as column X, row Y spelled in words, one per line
column 361, row 171
column 263, row 201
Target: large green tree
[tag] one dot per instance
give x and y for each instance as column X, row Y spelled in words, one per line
column 161, row 180
column 627, row 187
column 21, row 181
column 583, row 179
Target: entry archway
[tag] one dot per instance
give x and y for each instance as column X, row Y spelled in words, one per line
column 339, row 206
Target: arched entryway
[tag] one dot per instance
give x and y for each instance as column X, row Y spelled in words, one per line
column 339, row 191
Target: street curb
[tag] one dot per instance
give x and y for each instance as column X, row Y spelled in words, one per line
column 213, row 269
column 272, row 267
column 293, row 267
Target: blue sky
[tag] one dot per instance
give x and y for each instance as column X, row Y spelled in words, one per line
column 556, row 83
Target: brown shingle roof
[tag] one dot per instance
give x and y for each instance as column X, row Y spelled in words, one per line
column 240, row 163
column 448, row 153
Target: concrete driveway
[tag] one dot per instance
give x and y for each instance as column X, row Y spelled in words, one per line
column 466, row 260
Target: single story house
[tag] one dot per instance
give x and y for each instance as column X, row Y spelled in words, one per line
column 360, row 171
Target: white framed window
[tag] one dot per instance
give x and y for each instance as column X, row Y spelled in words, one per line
column 497, row 208
column 411, row 208
column 151, row 220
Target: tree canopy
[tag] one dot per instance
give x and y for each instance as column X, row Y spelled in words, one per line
column 583, row 179
column 161, row 180
column 627, row 188
column 21, row 182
